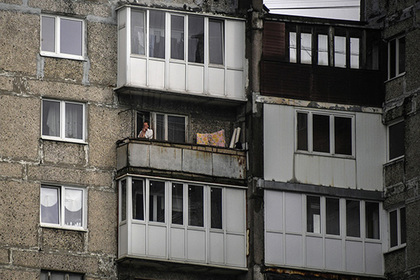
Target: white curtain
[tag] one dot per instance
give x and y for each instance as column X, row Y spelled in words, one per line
column 51, row 118
column 74, row 121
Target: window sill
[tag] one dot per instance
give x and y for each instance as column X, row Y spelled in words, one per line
column 396, row 248
column 395, row 78
column 394, row 161
column 64, row 140
column 325, row 155
column 51, row 226
column 63, row 56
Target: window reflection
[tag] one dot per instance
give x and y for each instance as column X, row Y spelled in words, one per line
column 196, row 39
column 195, row 206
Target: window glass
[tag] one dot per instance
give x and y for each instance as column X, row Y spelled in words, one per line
column 74, row 121
column 342, row 137
column 157, row 201
column 393, row 224
column 353, row 218
column 392, row 49
column 176, row 129
column 196, row 39
column 403, row 225
column 216, row 207
column 292, row 47
column 396, row 140
column 138, row 38
column 333, row 216
column 354, row 53
column 322, row 49
column 302, row 131
column 138, row 199
column 71, row 32
column 195, row 206
column 306, row 48
column 401, row 55
column 313, row 214
column 177, row 37
column 58, row 276
column 157, row 34
column 123, row 200
column 50, row 118
column 160, row 127
column 216, row 41
column 321, row 133
column 372, row 220
column 50, row 205
column 340, row 51
column 48, row 34
column 177, row 204
column 73, row 201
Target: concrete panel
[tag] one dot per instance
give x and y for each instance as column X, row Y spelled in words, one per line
column 165, row 158
column 229, row 166
column 62, row 153
column 139, row 155
column 19, row 42
column 15, row 274
column 67, row 240
column 122, row 153
column 62, row 69
column 197, row 162
column 20, row 118
column 19, row 213
column 97, row 8
column 99, row 223
column 102, row 52
column 12, row 170
column 4, row 256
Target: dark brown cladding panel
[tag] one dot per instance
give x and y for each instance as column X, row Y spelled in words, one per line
column 322, row 84
column 274, row 41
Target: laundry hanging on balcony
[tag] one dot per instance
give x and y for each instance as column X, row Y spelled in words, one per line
column 212, row 139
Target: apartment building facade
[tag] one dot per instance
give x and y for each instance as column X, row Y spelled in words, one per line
column 82, row 196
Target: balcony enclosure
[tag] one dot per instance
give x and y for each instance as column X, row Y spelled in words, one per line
column 183, row 53
column 181, row 203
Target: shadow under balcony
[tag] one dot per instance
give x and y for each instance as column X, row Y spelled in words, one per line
column 181, row 161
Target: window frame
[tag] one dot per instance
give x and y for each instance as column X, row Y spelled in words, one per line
column 342, row 218
column 400, row 121
column 310, row 128
column 168, row 35
column 61, row 208
column 47, row 274
column 57, row 36
column 398, row 73
column 62, row 136
column 399, row 227
column 168, row 202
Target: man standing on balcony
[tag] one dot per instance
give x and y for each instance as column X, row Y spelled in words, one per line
column 146, row 132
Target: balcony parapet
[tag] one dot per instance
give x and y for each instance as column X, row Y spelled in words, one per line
column 181, row 161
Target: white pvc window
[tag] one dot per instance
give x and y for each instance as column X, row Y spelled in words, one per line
column 292, row 47
column 397, row 228
column 340, row 51
column 354, row 53
column 170, row 128
column 322, row 49
column 306, row 48
column 324, row 133
column 62, row 120
column 63, row 206
column 59, row 275
column 396, row 135
column 62, row 37
column 396, row 57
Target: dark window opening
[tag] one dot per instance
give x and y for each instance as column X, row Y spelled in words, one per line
column 343, row 136
column 321, row 133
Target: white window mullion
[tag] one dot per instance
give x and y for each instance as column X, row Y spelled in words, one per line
column 332, row 134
